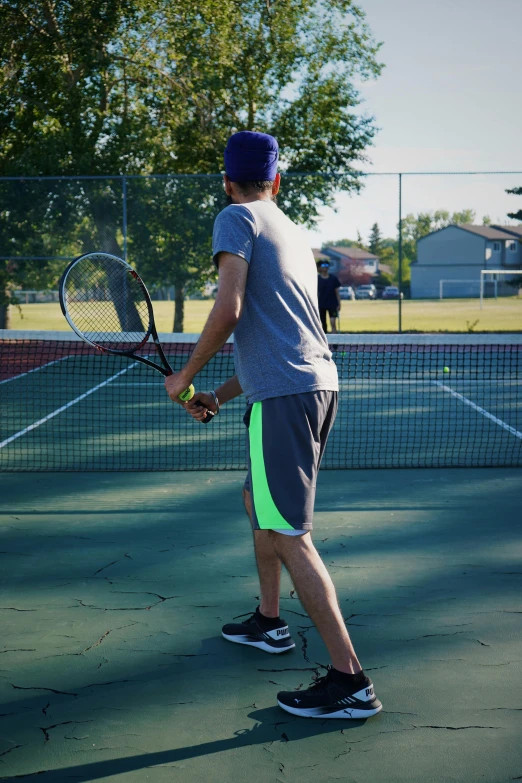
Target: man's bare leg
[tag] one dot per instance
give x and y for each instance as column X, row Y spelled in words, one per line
column 317, row 594
column 268, row 566
column 333, row 324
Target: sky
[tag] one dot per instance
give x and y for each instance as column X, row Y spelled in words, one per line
column 447, row 100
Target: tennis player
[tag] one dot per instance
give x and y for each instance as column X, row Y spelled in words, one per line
column 267, row 296
column 328, row 294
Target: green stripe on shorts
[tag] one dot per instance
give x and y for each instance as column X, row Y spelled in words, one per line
column 267, row 513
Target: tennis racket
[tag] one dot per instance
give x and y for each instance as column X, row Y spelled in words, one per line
column 106, row 303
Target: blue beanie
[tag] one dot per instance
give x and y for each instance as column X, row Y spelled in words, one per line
column 251, row 156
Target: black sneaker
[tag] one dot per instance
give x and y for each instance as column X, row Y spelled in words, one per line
column 272, row 636
column 330, row 697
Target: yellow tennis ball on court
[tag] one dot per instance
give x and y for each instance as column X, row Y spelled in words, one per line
column 187, row 394
column 446, row 369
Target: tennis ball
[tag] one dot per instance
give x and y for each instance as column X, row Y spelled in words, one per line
column 187, row 394
column 446, row 369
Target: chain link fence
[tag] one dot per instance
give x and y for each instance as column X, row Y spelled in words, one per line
column 419, row 241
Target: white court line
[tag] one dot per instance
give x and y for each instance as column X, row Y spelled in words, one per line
column 64, row 407
column 484, row 412
column 35, row 369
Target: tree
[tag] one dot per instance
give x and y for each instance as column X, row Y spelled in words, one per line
column 172, row 232
column 517, row 281
column 149, row 86
column 389, row 255
column 339, row 243
column 375, row 242
column 355, row 274
column 347, row 242
column 359, row 242
column 416, row 226
column 518, row 214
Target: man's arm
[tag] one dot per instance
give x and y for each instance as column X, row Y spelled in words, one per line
column 224, row 315
column 229, row 390
column 220, row 324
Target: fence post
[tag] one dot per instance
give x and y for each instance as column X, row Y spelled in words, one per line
column 124, row 197
column 400, row 252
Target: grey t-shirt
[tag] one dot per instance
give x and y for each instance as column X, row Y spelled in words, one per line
column 280, row 347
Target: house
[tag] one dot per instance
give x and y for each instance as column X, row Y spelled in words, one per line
column 456, row 255
column 345, row 262
column 516, row 231
column 319, row 255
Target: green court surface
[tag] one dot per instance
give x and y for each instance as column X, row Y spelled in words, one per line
column 114, row 588
column 405, row 401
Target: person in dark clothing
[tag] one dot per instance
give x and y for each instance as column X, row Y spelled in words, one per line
column 328, row 295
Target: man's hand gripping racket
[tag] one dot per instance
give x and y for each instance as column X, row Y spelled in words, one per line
column 107, row 304
column 200, row 405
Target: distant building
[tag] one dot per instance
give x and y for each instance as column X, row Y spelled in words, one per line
column 458, row 253
column 516, row 231
column 320, row 256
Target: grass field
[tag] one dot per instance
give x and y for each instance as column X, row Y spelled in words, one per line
column 449, row 315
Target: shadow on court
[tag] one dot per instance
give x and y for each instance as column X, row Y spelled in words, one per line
column 267, row 730
column 114, row 588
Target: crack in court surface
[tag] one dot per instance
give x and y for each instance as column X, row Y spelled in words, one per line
column 152, row 686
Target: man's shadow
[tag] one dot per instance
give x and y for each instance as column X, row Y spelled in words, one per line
column 272, row 725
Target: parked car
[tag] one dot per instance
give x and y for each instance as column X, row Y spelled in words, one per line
column 366, row 292
column 392, row 292
column 347, row 292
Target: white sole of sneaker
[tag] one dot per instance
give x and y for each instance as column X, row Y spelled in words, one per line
column 347, row 713
column 260, row 645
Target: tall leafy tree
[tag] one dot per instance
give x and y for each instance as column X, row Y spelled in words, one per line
column 149, row 86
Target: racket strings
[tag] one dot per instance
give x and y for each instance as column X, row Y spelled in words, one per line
column 107, row 303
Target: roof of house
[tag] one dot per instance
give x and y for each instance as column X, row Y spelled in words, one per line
column 488, row 232
column 318, row 255
column 517, row 230
column 353, row 253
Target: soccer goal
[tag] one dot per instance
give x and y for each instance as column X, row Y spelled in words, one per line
column 495, row 272
column 445, row 288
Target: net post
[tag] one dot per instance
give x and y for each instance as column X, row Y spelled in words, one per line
column 124, row 207
column 440, row 289
column 400, row 253
column 481, row 288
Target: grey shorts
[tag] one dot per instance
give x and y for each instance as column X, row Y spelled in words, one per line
column 286, row 438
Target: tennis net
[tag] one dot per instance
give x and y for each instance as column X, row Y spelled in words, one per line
column 405, row 401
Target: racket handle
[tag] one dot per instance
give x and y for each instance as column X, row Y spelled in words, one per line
column 187, row 395
column 208, row 418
